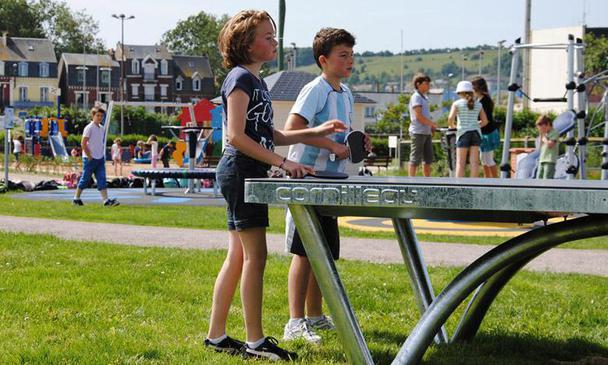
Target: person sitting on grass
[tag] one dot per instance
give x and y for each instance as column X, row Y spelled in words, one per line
column 94, row 159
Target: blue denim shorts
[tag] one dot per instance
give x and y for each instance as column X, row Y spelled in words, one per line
column 231, row 172
column 90, row 167
column 469, row 139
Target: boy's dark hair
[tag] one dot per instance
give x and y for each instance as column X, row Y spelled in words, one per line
column 238, row 34
column 419, row 78
column 328, row 38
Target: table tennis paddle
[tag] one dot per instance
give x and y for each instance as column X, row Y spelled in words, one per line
column 355, row 141
column 329, row 175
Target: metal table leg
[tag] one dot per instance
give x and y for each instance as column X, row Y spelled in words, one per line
column 325, row 271
column 416, row 267
column 508, row 254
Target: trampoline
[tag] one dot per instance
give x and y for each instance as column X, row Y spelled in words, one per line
column 199, row 173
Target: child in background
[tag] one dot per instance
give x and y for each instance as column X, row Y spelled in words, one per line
column 18, row 145
column 468, row 132
column 166, row 152
column 139, row 149
column 421, row 128
column 490, row 140
column 153, row 143
column 116, row 153
column 549, row 144
column 246, row 42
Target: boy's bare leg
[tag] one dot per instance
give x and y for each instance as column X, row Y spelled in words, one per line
column 474, row 160
column 426, row 169
column 252, row 280
column 461, row 161
column 77, row 194
column 297, row 283
column 314, row 298
column 225, row 286
column 104, row 194
column 494, row 171
column 412, row 169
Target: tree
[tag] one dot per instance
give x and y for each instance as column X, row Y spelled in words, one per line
column 12, row 16
column 393, row 117
column 196, row 36
column 71, row 32
column 596, row 53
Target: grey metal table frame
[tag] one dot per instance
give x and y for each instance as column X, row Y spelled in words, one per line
column 401, row 199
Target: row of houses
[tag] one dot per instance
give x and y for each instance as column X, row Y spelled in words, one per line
column 31, row 75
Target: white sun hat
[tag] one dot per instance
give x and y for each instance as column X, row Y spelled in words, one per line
column 464, row 87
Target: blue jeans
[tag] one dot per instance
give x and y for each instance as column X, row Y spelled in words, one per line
column 231, row 172
column 90, row 167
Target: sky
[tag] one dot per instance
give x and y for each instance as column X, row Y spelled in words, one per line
column 377, row 25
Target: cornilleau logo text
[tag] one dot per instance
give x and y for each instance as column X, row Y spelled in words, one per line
column 346, row 194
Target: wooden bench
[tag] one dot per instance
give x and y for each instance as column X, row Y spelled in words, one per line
column 378, row 162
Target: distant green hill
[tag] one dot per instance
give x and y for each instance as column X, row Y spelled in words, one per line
column 383, row 69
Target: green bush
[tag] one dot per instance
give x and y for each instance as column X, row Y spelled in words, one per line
column 127, row 139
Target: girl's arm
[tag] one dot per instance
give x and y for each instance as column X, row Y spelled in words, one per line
column 235, row 132
column 297, row 122
column 483, row 117
column 452, row 117
column 283, row 138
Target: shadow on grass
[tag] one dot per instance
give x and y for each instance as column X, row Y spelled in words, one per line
column 496, row 349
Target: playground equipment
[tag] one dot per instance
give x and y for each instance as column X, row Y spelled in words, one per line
column 37, row 128
column 574, row 50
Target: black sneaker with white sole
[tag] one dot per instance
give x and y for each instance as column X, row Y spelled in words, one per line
column 228, row 345
column 77, row 202
column 111, row 203
column 269, row 350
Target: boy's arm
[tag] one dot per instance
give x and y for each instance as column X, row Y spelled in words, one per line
column 297, row 122
column 283, row 137
column 84, row 143
column 421, row 118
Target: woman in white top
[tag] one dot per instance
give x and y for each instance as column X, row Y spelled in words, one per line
column 468, row 131
column 117, row 157
column 17, row 150
column 153, row 142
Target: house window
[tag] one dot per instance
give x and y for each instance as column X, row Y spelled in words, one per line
column 105, row 97
column 22, row 93
column 43, row 69
column 164, row 67
column 105, row 78
column 196, row 84
column 179, row 84
column 135, row 89
column 1, row 68
column 80, row 76
column 148, row 92
column 149, row 72
column 135, row 66
column 82, row 98
column 44, row 94
column 163, row 90
column 370, row 111
column 23, row 69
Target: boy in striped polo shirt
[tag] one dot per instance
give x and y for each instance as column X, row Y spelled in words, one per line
column 322, row 99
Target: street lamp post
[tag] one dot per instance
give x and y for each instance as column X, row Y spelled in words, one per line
column 122, row 18
column 464, row 58
column 500, row 44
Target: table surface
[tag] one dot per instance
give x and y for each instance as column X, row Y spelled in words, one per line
column 498, row 200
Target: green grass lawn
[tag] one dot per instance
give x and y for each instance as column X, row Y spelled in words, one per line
column 213, row 218
column 72, row 302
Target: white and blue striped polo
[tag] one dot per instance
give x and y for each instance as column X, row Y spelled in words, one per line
column 318, row 102
column 468, row 119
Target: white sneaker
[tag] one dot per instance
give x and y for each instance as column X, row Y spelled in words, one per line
column 300, row 329
column 324, row 323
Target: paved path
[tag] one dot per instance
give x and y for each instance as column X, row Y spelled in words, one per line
column 593, row 262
